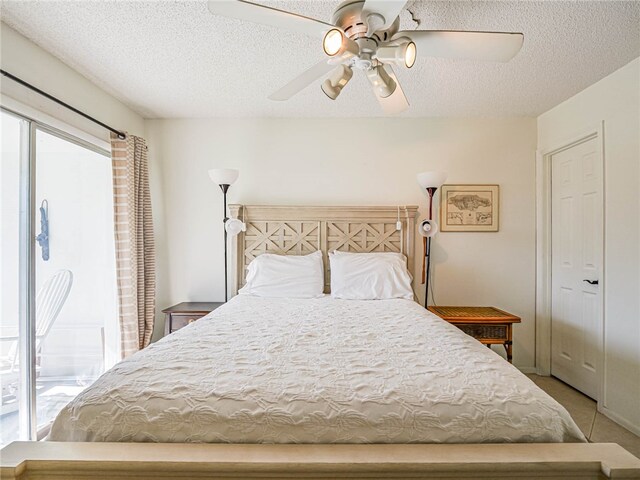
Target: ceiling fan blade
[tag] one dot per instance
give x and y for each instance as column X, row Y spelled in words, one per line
column 483, row 46
column 253, row 12
column 389, row 9
column 303, row 80
column 396, row 102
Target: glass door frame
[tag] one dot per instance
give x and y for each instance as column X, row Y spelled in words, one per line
column 27, row 420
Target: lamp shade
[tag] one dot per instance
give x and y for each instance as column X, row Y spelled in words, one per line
column 223, row 176
column 431, row 179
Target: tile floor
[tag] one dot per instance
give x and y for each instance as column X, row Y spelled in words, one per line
column 595, row 426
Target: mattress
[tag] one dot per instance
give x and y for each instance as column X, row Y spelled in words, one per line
column 324, row 370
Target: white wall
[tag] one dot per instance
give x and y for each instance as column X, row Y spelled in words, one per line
column 616, row 101
column 350, row 162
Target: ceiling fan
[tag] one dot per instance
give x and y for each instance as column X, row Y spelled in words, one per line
column 363, row 35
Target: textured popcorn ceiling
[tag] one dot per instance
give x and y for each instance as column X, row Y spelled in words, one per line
column 175, row 59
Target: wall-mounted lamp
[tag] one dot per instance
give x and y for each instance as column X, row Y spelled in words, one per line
column 224, row 177
column 430, row 181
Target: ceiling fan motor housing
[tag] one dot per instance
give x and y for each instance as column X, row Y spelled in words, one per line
column 348, row 17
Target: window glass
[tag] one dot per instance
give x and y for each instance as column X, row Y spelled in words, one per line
column 76, row 306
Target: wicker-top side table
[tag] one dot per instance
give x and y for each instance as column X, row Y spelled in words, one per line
column 488, row 325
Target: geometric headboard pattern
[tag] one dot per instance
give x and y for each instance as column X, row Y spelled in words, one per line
column 290, row 230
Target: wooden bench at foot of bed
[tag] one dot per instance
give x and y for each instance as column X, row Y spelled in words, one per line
column 75, row 461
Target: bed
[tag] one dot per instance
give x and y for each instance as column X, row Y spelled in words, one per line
column 279, row 387
column 272, row 370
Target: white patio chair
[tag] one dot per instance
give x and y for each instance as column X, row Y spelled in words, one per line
column 49, row 301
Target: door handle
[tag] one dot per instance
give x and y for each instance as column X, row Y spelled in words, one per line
column 43, row 236
column 591, row 282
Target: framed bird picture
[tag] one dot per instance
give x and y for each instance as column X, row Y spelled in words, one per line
column 469, row 208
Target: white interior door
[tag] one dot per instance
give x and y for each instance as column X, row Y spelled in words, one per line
column 577, row 245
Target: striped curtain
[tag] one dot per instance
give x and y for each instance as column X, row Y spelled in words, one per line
column 135, row 247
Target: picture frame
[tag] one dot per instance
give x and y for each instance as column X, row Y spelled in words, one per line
column 469, row 208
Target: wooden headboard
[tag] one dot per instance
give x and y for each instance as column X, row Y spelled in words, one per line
column 290, row 230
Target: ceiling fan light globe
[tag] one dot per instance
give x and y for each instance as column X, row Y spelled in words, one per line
column 410, row 54
column 402, row 55
column 329, row 90
column 332, row 42
column 333, row 85
column 387, row 89
column 337, row 46
column 382, row 83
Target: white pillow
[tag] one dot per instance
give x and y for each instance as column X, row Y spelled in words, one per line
column 369, row 276
column 270, row 275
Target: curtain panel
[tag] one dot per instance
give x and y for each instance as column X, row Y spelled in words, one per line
column 135, row 246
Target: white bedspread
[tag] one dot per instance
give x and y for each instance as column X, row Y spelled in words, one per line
column 315, row 371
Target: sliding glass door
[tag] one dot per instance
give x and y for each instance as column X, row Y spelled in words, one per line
column 58, row 273
column 14, row 413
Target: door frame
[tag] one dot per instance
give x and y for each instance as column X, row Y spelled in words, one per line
column 543, row 249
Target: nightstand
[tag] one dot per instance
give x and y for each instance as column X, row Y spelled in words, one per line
column 488, row 325
column 184, row 313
